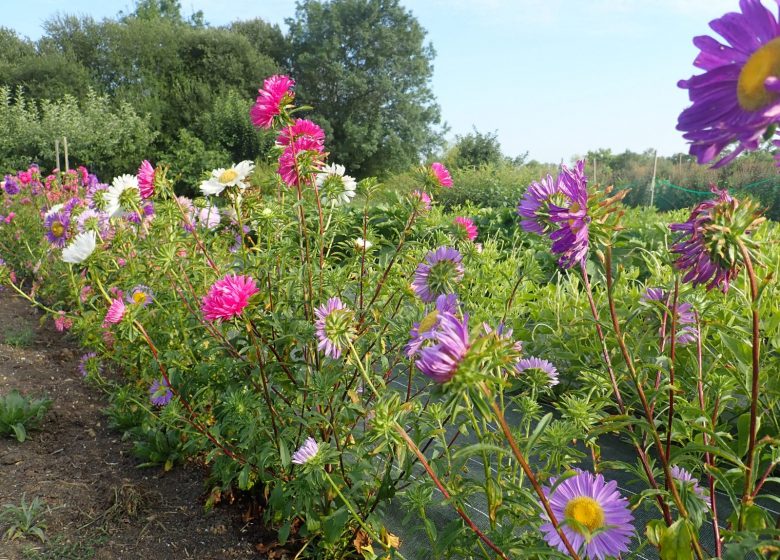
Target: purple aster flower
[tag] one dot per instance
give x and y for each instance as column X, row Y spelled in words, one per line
column 592, row 514
column 71, row 205
column 334, row 327
column 89, row 363
column 686, row 319
column 534, row 206
column 705, row 246
column 160, row 392
column 96, row 196
column 502, row 331
column 10, row 185
column 685, row 478
column 427, row 328
column 438, row 274
column 93, row 220
column 737, row 98
column 56, row 225
column 571, row 239
column 440, row 361
column 538, row 364
column 140, row 295
column 306, row 452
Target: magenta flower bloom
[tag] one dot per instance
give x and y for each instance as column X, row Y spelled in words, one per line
column 737, row 98
column 700, row 249
column 571, row 239
column 306, row 452
column 534, row 206
column 538, row 364
column 300, row 157
column 441, row 175
column 62, row 322
column 146, row 179
column 440, row 361
column 56, row 225
column 140, row 295
column 438, row 273
column 115, row 312
column 424, row 198
column 334, row 327
column 276, row 93
column 427, row 329
column 592, row 514
column 228, row 297
column 300, row 128
column 466, row 227
column 160, row 392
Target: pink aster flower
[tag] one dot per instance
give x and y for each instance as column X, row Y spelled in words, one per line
column 466, row 227
column 146, row 179
column 441, row 175
column 424, row 199
column 302, row 156
column 62, row 323
column 301, row 127
column 115, row 312
column 228, row 297
column 276, row 93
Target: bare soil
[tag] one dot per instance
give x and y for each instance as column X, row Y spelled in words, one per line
column 99, row 504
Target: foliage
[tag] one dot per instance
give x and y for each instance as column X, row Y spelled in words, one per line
column 19, row 413
column 473, row 150
column 365, row 68
column 23, row 520
column 22, row 336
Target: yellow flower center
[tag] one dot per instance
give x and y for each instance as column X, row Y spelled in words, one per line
column 58, row 229
column 762, row 64
column 587, row 512
column 139, row 297
column 228, row 175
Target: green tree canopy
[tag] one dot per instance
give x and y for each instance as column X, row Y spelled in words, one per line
column 365, row 67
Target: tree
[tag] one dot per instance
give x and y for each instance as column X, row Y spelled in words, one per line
column 364, row 66
column 475, row 150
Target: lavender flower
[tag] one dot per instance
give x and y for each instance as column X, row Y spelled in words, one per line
column 140, row 295
column 334, row 328
column 306, row 452
column 440, row 361
column 427, row 329
column 438, row 274
column 90, row 364
column 534, row 206
column 571, row 239
column 532, row 364
column 56, row 225
column 160, row 392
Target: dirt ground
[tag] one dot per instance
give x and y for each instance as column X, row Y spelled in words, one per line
column 99, row 505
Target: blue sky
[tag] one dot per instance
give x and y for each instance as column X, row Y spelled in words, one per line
column 552, row 77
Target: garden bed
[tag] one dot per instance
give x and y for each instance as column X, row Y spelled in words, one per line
column 98, row 503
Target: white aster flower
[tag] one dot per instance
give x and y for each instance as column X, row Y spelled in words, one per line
column 54, row 209
column 337, row 189
column 123, row 189
column 231, row 177
column 80, row 248
column 361, row 243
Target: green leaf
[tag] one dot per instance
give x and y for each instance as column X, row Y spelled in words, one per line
column 676, row 542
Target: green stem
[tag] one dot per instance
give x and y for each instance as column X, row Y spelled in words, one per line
column 362, row 369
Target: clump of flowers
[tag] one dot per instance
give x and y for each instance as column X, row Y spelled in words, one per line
column 737, row 98
column 334, row 327
column 336, row 188
column 272, row 100
column 440, row 175
column 592, row 514
column 62, row 322
column 220, row 179
column 228, row 297
column 438, row 274
column 306, row 452
column 466, row 227
column 160, row 392
column 708, row 245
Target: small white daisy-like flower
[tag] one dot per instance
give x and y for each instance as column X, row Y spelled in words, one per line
column 82, row 246
column 361, row 243
column 123, row 189
column 54, row 209
column 231, row 177
column 337, row 189
column 306, row 452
